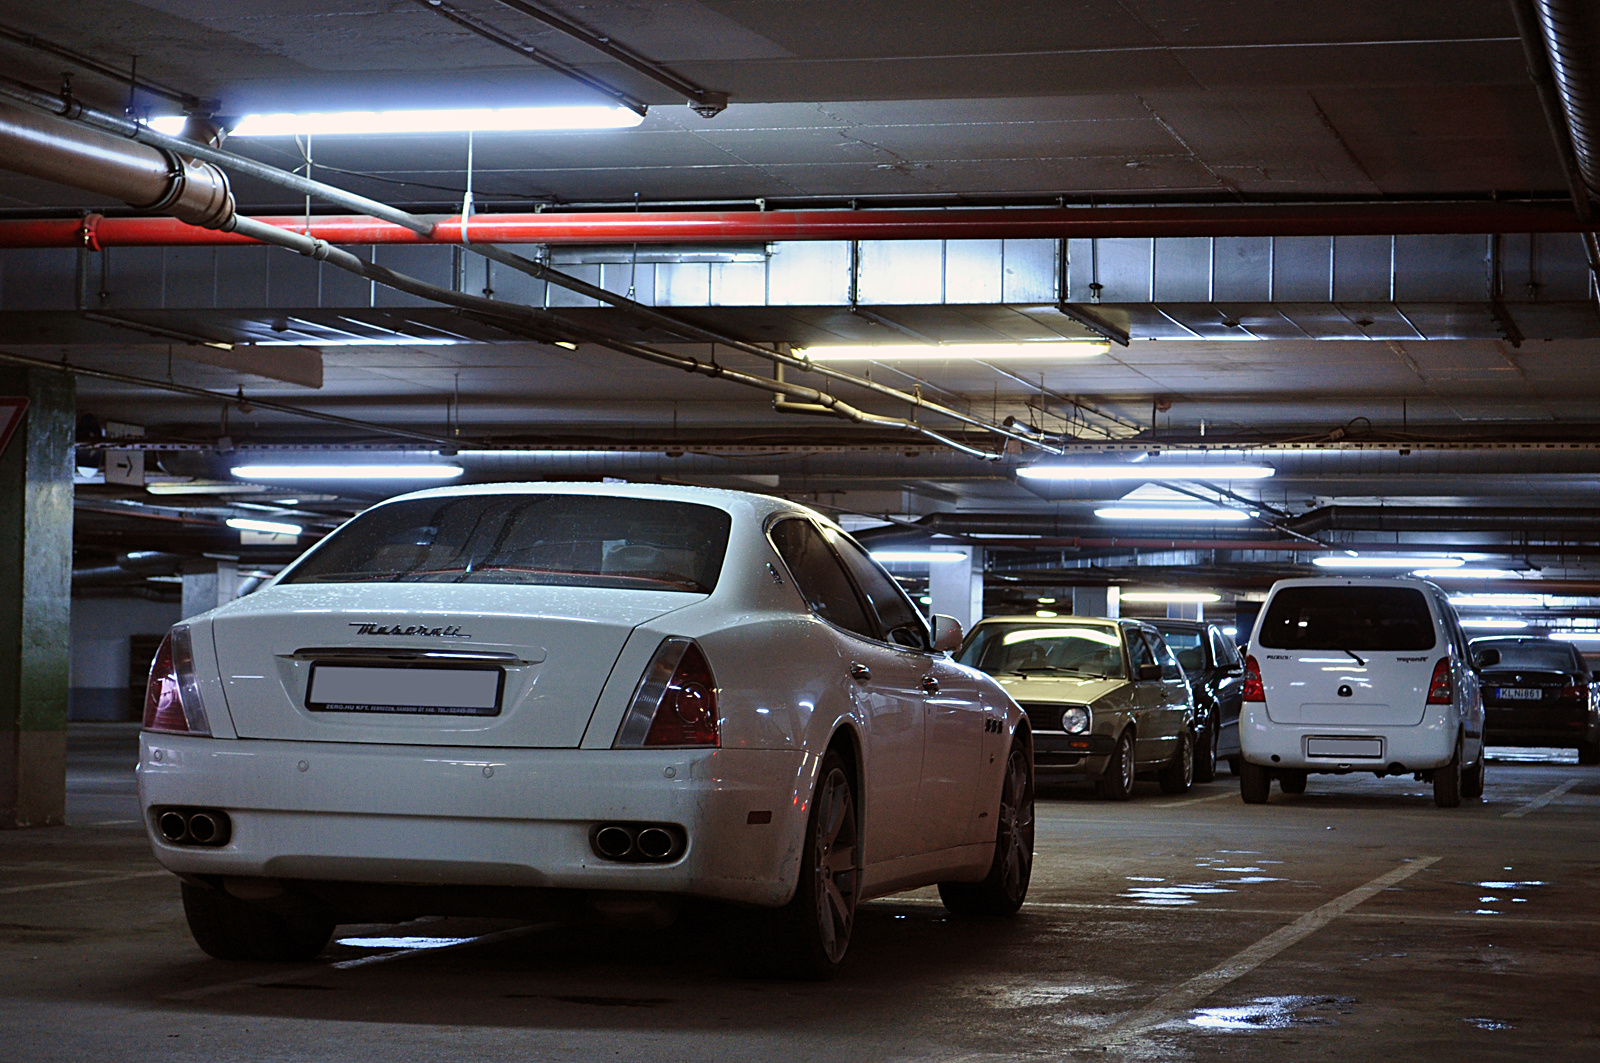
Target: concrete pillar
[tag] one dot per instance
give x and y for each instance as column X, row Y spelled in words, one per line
column 1097, row 601
column 36, row 599
column 956, row 587
column 207, row 584
column 1186, row 611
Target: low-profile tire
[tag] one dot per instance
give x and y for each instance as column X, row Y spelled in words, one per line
column 1205, row 753
column 231, row 929
column 1292, row 782
column 1006, row 887
column 1447, row 782
column 811, row 933
column 1178, row 776
column 1472, row 778
column 1116, row 782
column 1255, row 783
column 1589, row 752
column 1234, row 763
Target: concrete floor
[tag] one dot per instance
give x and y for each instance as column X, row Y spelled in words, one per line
column 1354, row 921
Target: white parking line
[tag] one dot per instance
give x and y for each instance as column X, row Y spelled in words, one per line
column 280, row 977
column 82, row 882
column 1183, row 998
column 1539, row 802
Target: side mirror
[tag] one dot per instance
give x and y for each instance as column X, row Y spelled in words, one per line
column 1486, row 659
column 1149, row 671
column 947, row 633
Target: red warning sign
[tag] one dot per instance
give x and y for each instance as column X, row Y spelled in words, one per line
column 11, row 410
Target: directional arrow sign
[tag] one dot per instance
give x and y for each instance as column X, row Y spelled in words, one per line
column 11, row 411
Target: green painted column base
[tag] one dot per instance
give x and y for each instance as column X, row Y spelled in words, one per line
column 33, row 779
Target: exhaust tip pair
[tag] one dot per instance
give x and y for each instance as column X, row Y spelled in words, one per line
column 646, row 843
column 194, row 826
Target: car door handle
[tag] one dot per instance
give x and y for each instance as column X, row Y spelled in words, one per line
column 860, row 672
column 930, row 685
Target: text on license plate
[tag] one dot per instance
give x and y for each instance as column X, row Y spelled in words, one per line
column 1519, row 694
column 413, row 691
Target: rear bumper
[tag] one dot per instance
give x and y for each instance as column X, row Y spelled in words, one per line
column 1430, row 744
column 1554, row 738
column 483, row 817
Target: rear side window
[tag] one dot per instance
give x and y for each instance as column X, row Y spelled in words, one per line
column 902, row 624
column 560, row 540
column 819, row 576
column 1222, row 649
column 1139, row 652
column 1164, row 657
column 1348, row 618
column 1189, row 647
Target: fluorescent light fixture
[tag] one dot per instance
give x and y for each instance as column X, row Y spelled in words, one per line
column 268, row 527
column 1047, row 601
column 1576, row 636
column 1231, row 632
column 1491, row 624
column 346, row 472
column 364, row 341
column 1147, row 470
column 1497, row 599
column 455, row 120
column 1164, row 513
column 1395, row 562
column 1170, row 596
column 934, row 557
column 1465, row 573
column 1046, row 613
column 905, row 352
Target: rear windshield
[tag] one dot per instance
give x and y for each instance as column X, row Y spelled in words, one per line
column 1348, row 618
column 1534, row 656
column 559, row 540
column 1190, row 647
column 1044, row 648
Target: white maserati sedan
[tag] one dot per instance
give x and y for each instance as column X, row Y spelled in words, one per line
column 491, row 699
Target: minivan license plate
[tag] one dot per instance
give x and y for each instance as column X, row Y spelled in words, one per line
column 1519, row 694
column 1344, row 747
column 408, row 691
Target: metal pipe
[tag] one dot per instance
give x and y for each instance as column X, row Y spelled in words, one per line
column 1432, row 518
column 734, row 227
column 194, row 192
column 1571, row 31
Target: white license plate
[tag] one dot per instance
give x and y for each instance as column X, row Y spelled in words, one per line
column 413, row 691
column 1370, row 748
column 1519, row 694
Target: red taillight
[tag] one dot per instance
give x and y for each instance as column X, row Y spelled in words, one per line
column 171, row 694
column 676, row 702
column 1575, row 692
column 1253, row 690
column 1441, row 691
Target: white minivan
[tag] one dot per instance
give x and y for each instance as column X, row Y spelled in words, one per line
column 1351, row 674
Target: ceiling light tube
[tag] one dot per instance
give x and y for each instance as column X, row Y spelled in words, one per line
column 1148, row 470
column 915, row 556
column 1576, row 636
column 1491, row 624
column 269, row 527
column 1508, row 600
column 906, row 352
column 346, row 472
column 1175, row 513
column 448, row 120
column 1170, row 596
column 1397, row 562
column 1465, row 573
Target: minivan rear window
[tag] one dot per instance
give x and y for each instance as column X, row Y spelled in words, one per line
column 1348, row 618
column 556, row 539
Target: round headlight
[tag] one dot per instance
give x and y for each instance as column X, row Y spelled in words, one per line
column 1075, row 719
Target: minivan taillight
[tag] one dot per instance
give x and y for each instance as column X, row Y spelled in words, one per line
column 675, row 703
column 1440, row 690
column 1253, row 690
column 172, row 695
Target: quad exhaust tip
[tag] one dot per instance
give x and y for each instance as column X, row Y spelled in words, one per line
column 194, row 826
column 638, row 843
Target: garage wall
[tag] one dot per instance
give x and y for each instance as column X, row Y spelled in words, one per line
column 104, row 686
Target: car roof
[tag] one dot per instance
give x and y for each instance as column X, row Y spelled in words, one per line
column 1180, row 625
column 1354, row 581
column 1521, row 638
column 1079, row 621
column 720, row 498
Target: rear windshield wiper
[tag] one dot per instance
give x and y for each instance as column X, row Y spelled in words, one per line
column 1358, row 659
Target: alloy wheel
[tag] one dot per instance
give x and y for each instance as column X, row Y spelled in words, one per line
column 836, row 864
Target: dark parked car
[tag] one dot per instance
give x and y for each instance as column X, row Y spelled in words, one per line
column 1538, row 692
column 1215, row 671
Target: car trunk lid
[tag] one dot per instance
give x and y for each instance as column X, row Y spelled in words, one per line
column 1330, row 687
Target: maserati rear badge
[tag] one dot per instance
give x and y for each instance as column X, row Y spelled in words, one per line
column 451, row 632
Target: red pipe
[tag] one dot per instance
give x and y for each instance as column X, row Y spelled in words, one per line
column 703, row 227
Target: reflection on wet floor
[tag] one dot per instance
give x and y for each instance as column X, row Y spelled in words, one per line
column 401, row 942
column 1489, row 1024
column 1506, row 886
column 1181, row 894
column 1274, row 1013
column 1532, row 755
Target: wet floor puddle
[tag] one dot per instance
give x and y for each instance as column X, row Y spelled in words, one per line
column 1274, row 1013
column 1156, row 892
column 1501, row 892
